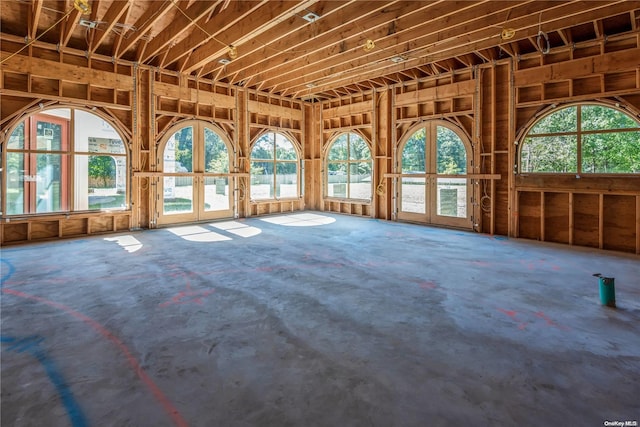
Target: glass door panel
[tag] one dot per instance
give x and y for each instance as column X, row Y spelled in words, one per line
column 452, row 197
column 178, row 195
column 413, row 195
column 216, row 194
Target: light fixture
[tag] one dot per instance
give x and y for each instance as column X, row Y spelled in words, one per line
column 87, row 23
column 398, row 59
column 369, row 45
column 310, row 85
column 311, row 17
column 82, row 6
column 233, row 52
column 224, row 61
column 507, row 33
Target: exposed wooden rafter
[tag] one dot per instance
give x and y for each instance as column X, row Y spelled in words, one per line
column 281, row 53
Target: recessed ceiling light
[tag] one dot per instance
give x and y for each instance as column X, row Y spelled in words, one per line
column 311, row 17
column 224, row 61
column 399, row 58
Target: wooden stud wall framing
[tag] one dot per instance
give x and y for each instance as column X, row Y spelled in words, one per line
column 267, row 112
column 493, row 103
column 595, row 211
column 342, row 115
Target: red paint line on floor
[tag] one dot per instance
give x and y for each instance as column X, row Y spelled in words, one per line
column 171, row 410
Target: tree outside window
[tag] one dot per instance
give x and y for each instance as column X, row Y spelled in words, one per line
column 349, row 168
column 62, row 160
column 274, row 168
column 583, row 139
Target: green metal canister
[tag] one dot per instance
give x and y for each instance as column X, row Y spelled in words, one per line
column 607, row 291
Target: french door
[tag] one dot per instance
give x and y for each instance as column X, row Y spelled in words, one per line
column 433, row 186
column 196, row 184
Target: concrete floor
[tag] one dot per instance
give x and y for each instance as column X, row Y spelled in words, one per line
column 314, row 319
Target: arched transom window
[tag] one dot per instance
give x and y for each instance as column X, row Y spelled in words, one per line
column 582, row 139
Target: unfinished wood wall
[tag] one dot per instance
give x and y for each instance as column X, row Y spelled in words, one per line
column 143, row 104
column 494, row 104
column 353, row 113
column 595, row 211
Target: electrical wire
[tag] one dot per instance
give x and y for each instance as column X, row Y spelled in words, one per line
column 173, row 2
column 37, row 38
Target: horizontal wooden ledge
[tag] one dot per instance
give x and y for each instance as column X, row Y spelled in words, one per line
column 578, row 191
column 494, row 176
column 191, row 115
column 190, row 174
column 578, row 98
column 74, row 101
column 269, row 201
column 63, row 216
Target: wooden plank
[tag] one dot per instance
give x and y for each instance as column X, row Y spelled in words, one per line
column 181, row 23
column 542, row 215
column 487, row 176
column 600, row 220
column 193, row 95
column 436, row 93
column 638, row 224
column 275, row 110
column 116, row 10
column 347, row 110
column 21, row 94
column 609, row 62
column 66, row 72
column 571, row 223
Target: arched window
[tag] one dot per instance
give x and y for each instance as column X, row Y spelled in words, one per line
column 63, row 160
column 274, row 168
column 349, row 168
column 582, row 139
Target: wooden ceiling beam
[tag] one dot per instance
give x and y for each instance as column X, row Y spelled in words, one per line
column 34, row 18
column 116, row 10
column 120, row 33
column 290, row 38
column 454, row 50
column 179, row 26
column 473, row 41
column 458, row 27
column 598, row 27
column 262, row 20
column 69, row 25
column 90, row 33
column 565, row 36
column 390, row 31
column 145, row 23
column 203, row 32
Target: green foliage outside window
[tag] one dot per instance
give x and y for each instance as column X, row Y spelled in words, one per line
column 607, row 139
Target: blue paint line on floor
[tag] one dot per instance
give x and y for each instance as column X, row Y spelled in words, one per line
column 31, row 345
column 7, row 270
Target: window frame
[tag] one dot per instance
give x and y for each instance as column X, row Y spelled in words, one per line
column 69, row 178
column 275, row 160
column 578, row 133
column 348, row 161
